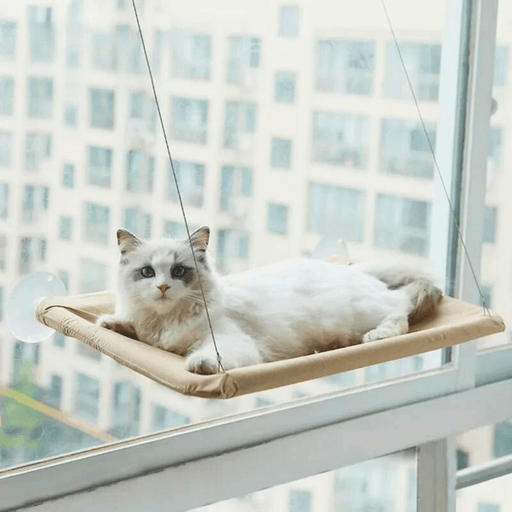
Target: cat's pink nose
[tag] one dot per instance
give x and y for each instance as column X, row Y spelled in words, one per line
column 163, row 287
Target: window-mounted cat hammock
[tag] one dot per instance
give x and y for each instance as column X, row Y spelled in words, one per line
column 456, row 322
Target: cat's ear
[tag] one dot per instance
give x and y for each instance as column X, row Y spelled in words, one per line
column 199, row 238
column 126, row 241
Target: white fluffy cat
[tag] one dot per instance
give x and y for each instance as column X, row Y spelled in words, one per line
column 275, row 312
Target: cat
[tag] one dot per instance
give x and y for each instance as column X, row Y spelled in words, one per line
column 276, row 312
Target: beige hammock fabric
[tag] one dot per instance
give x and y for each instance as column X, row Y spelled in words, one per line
column 456, row 323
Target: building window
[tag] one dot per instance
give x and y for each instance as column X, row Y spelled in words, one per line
column 140, row 171
column 137, row 222
column 243, row 60
column 93, row 276
column 4, row 201
column 102, row 108
column 59, row 340
column 345, row 66
column 277, row 219
column 5, row 148
column 488, row 507
column 233, row 245
column 42, row 33
column 240, row 125
column 38, row 148
column 40, row 97
column 189, row 120
column 54, row 393
column 100, row 166
column 406, row 149
column 126, row 410
column 70, row 115
column 423, row 63
column 32, row 253
column 285, row 87
column 289, row 18
column 3, row 252
column 462, row 459
column 490, row 225
column 341, row 139
column 174, row 229
column 402, row 224
column 336, row 211
column 191, row 55
column 104, row 50
column 160, row 48
column 87, row 396
column 495, row 143
column 500, row 67
column 300, row 501
column 6, row 95
column 281, row 153
column 29, row 203
column 68, row 176
column 65, row 228
column 190, row 180
column 236, row 190
column 97, row 223
column 143, row 108
column 7, row 40
column 164, row 418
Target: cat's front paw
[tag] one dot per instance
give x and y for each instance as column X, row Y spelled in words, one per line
column 202, row 364
column 107, row 321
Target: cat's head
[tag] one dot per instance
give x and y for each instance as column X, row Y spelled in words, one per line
column 159, row 274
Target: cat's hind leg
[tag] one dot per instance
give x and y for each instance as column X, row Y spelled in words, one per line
column 394, row 324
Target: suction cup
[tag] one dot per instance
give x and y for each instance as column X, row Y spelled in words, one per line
column 22, row 304
column 331, row 247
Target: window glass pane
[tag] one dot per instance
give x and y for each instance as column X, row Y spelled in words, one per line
column 289, row 21
column 387, row 484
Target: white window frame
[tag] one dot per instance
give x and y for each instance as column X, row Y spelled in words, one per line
column 215, row 460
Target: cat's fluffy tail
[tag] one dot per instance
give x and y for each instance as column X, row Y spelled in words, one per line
column 418, row 283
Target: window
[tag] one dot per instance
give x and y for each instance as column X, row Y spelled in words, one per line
column 32, row 253
column 341, row 139
column 277, row 219
column 500, row 67
column 189, row 120
column 40, row 97
column 4, row 200
column 345, row 66
column 240, row 125
column 70, row 115
column 93, row 276
column 59, row 340
column 104, row 50
column 488, row 507
column 54, row 393
column 100, row 166
column 423, row 62
column 289, row 18
column 3, row 252
column 336, row 211
column 490, row 224
column 29, row 203
column 5, row 148
column 495, row 144
column 164, row 418
column 143, row 109
column 74, row 33
column 140, row 171
column 87, row 396
column 502, row 440
column 190, row 178
column 38, row 148
column 102, row 108
column 174, row 229
column 405, row 148
column 191, row 55
column 97, row 223
column 137, row 222
column 300, row 501
column 402, row 224
column 233, row 246
column 65, row 228
column 462, row 459
column 126, row 410
column 236, row 190
column 243, row 60
column 6, row 95
column 285, row 87
column 281, row 153
column 68, row 176
column 7, row 40
column 42, row 35
column 160, row 47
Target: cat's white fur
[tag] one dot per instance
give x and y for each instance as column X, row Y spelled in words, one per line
column 275, row 312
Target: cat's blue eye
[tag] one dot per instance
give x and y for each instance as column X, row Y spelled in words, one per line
column 178, row 271
column 147, row 271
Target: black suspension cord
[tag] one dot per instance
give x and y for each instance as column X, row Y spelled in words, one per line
column 452, row 211
column 219, row 359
